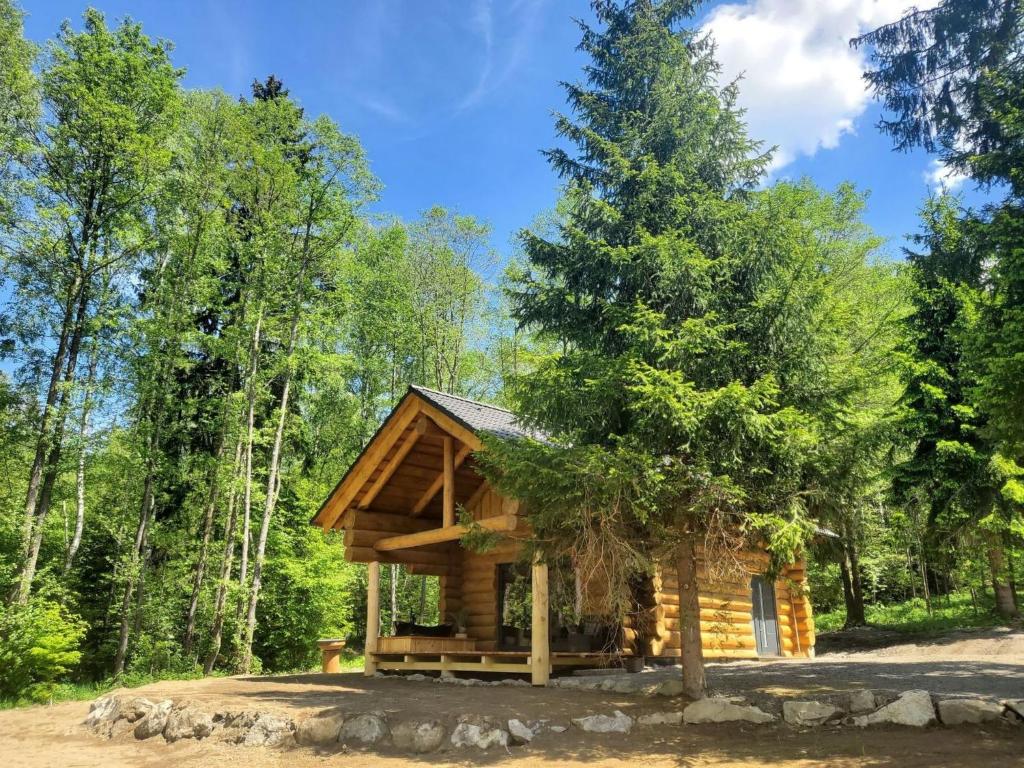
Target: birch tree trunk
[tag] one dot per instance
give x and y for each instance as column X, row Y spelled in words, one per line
column 271, row 497
column 83, row 439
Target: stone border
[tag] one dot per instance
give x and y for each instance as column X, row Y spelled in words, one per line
column 117, row 715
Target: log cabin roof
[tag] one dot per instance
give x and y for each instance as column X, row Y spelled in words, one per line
column 474, row 415
column 398, row 471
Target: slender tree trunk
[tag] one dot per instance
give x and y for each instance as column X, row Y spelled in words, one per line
column 694, row 682
column 243, row 571
column 272, row 487
column 423, row 600
column 925, row 589
column 1006, row 602
column 204, row 546
column 394, row 593
column 849, row 568
column 131, row 578
column 53, row 455
column 83, row 439
column 43, row 439
column 220, row 601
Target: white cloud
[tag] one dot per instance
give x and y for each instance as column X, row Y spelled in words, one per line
column 802, row 84
column 516, row 23
column 941, row 178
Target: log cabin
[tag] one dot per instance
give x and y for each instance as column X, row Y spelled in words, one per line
column 398, row 503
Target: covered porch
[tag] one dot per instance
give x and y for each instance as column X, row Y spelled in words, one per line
column 401, row 503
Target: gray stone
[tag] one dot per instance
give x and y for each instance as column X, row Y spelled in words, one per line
column 187, row 722
column 910, row 708
column 661, row 718
column 267, row 730
column 558, row 728
column 808, row 712
column 520, row 732
column 103, row 709
column 419, row 738
column 480, row 732
column 515, row 683
column 670, row 687
column 962, row 711
column 861, row 702
column 717, row 709
column 616, row 723
column 321, row 728
column 154, row 723
column 366, row 729
column 136, row 708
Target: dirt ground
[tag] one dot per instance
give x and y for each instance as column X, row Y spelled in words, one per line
column 987, row 662
column 992, row 664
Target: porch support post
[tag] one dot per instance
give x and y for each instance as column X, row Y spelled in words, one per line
column 540, row 655
column 372, row 617
column 449, row 481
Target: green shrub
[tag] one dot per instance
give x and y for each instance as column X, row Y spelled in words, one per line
column 39, row 643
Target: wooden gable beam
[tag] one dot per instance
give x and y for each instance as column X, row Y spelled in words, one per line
column 422, row 427
column 452, row 427
column 371, row 458
column 460, row 456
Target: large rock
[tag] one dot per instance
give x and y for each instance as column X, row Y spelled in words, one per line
column 153, row 724
column 480, row 732
column 136, row 708
column 522, row 733
column 718, row 709
column 103, row 709
column 616, row 723
column 187, row 721
column 808, row 712
column 365, row 729
column 860, row 702
column 267, row 730
column 910, row 708
column 418, row 738
column 321, row 728
column 661, row 718
column 670, row 687
column 964, row 711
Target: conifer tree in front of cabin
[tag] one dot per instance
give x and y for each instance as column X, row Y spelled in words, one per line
column 673, row 426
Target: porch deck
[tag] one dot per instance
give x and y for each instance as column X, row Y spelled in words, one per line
column 513, row 662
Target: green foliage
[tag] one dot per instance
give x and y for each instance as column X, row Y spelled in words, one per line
column 957, row 610
column 39, row 643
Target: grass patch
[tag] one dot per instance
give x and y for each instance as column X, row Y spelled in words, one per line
column 953, row 611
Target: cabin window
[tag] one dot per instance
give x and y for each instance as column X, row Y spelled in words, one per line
column 515, row 606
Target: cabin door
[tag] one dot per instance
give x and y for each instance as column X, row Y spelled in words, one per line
column 766, row 620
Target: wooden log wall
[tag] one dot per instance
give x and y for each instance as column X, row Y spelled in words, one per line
column 479, row 577
column 727, row 613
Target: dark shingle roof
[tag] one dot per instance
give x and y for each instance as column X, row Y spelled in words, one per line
column 478, row 417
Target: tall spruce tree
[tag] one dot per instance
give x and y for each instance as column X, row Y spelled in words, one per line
column 671, row 411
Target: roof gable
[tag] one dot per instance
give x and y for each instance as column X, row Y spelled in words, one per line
column 382, row 457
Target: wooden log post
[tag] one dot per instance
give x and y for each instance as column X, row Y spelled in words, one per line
column 449, row 481
column 540, row 654
column 372, row 617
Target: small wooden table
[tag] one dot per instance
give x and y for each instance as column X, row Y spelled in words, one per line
column 330, row 653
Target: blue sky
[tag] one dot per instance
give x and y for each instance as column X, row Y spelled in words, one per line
column 453, row 98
